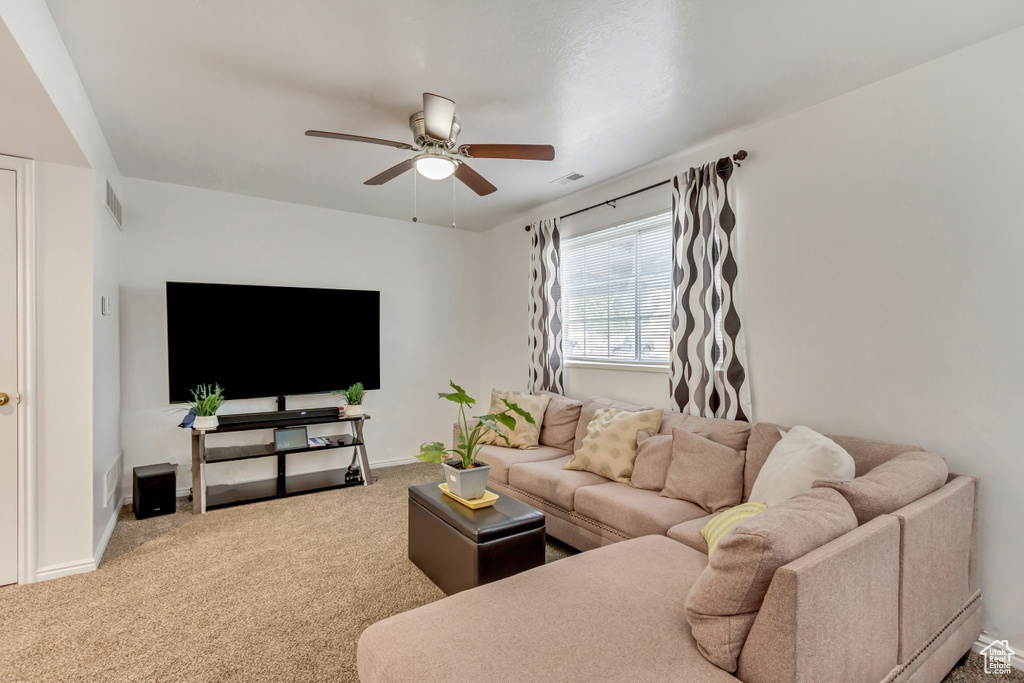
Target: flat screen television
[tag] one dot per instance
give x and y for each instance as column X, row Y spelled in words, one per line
column 258, row 341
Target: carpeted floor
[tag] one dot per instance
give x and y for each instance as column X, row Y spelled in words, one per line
column 272, row 591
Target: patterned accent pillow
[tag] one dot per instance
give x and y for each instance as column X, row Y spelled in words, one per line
column 525, row 435
column 609, row 448
column 723, row 523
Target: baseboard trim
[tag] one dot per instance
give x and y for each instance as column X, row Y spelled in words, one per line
column 393, row 463
column 55, row 571
column 984, row 640
column 101, row 547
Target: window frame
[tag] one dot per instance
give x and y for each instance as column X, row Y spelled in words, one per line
column 622, row 364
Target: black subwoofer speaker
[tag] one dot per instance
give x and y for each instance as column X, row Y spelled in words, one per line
column 153, row 490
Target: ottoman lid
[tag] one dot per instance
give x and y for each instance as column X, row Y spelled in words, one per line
column 505, row 518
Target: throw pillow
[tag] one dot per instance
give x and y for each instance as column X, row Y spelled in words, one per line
column 525, row 435
column 723, row 523
column 591, row 406
column 609, row 448
column 799, row 459
column 560, row 421
column 704, row 472
column 731, row 433
column 724, row 601
column 653, row 457
column 892, row 484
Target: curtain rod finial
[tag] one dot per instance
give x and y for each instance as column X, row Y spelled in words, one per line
column 527, row 228
column 740, row 155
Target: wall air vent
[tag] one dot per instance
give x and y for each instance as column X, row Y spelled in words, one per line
column 566, row 179
column 114, row 206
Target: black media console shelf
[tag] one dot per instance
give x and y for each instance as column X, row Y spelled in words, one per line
column 205, row 497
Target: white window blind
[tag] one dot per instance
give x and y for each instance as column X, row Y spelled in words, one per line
column 617, row 293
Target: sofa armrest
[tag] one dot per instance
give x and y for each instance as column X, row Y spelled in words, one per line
column 833, row 613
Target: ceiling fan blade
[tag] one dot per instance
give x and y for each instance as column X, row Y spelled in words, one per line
column 356, row 138
column 438, row 114
column 391, row 173
column 533, row 152
column 474, row 180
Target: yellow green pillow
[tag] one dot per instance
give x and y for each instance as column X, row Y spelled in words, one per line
column 720, row 525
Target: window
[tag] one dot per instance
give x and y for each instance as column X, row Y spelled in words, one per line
column 617, row 293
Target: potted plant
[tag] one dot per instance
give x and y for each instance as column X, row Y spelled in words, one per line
column 353, row 396
column 206, row 401
column 466, row 477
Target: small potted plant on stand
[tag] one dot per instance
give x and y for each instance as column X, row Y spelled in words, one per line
column 465, row 477
column 206, row 401
column 353, row 396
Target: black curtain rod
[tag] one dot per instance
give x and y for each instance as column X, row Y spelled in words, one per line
column 737, row 157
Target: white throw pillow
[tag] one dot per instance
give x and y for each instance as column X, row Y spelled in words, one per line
column 801, row 458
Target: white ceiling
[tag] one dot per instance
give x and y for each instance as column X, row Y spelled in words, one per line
column 218, row 93
column 30, row 125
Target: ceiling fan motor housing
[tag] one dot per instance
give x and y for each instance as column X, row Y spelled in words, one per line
column 419, row 132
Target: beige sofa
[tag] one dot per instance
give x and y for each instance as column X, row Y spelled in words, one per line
column 896, row 599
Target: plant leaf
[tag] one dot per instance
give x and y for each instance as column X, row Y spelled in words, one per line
column 432, row 452
column 488, row 421
column 505, row 419
column 522, row 413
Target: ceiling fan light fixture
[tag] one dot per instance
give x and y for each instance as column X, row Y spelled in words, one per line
column 434, row 166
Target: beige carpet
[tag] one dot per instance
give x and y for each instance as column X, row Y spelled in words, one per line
column 272, row 591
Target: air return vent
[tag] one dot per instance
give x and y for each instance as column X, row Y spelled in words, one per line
column 566, row 179
column 114, row 206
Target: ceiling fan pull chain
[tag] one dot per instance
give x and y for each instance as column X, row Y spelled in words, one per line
column 414, row 208
column 453, row 202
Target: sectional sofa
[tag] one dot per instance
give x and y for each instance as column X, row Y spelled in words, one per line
column 895, row 598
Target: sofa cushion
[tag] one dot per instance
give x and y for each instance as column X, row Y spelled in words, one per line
column 560, row 420
column 501, row 458
column 731, row 433
column 550, row 481
column 704, row 472
column 892, row 484
column 725, row 600
column 653, row 458
column 689, row 533
column 867, row 454
column 799, row 459
column 591, row 406
column 634, row 512
column 609, row 448
column 525, row 435
column 611, row 614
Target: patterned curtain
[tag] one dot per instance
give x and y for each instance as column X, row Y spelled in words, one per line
column 545, row 309
column 709, row 357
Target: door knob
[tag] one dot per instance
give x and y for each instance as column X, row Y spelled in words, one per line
column 4, row 399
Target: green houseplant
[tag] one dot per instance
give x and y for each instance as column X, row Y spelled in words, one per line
column 353, row 397
column 466, row 477
column 206, row 401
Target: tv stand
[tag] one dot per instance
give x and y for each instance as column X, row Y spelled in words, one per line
column 222, row 495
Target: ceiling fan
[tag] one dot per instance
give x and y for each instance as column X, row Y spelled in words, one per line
column 435, row 131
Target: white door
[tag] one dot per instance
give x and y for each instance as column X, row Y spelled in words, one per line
column 8, row 378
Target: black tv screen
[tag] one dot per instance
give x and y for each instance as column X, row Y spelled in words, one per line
column 260, row 341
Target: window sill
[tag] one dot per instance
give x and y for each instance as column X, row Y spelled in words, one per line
column 628, row 367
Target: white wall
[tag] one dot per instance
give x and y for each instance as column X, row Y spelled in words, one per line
column 64, row 273
column 69, row 117
column 882, row 236
column 428, row 279
column 106, row 404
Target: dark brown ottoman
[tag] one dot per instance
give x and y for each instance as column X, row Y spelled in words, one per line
column 460, row 548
